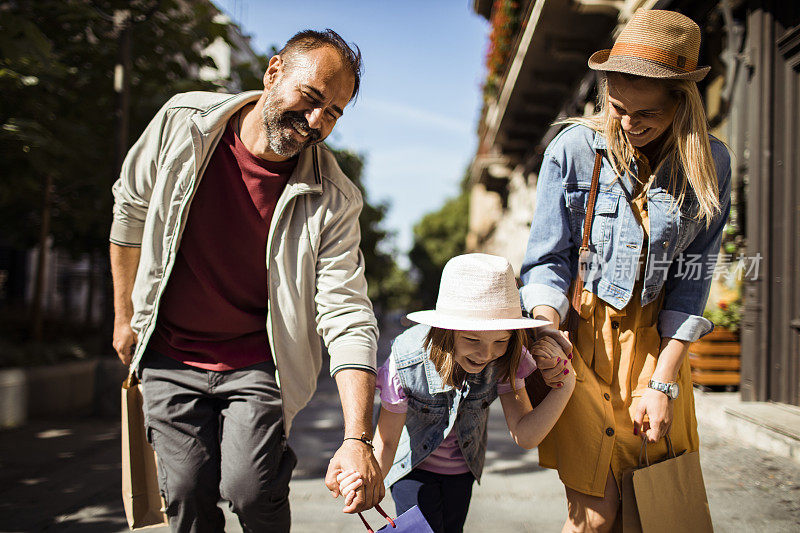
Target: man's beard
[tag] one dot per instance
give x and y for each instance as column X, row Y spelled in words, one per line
column 279, row 126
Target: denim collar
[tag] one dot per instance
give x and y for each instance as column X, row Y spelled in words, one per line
column 435, row 382
column 599, row 142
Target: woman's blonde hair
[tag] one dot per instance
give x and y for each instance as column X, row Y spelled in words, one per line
column 686, row 149
column 440, row 344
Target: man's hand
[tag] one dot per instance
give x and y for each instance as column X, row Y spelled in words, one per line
column 653, row 418
column 356, row 456
column 124, row 263
column 356, row 391
column 124, row 341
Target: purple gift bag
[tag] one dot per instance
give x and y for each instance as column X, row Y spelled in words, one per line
column 411, row 521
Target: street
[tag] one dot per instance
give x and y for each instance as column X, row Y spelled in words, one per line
column 63, row 475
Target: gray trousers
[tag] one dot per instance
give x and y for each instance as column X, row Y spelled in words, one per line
column 218, row 434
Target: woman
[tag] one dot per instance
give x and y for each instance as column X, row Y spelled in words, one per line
column 661, row 205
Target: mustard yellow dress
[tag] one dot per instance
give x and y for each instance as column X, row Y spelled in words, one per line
column 615, row 356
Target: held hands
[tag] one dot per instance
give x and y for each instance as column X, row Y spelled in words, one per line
column 653, row 418
column 361, row 480
column 551, row 359
column 561, row 337
column 349, row 481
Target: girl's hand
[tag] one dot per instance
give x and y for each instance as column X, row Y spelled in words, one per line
column 552, row 361
column 653, row 418
column 349, row 481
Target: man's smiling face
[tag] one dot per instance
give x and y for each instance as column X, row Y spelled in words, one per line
column 306, row 94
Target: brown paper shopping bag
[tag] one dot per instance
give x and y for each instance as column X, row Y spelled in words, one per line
column 140, row 494
column 668, row 497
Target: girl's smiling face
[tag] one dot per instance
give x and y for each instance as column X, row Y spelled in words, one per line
column 473, row 350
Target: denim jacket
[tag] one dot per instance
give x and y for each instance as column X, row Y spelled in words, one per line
column 681, row 252
column 435, row 408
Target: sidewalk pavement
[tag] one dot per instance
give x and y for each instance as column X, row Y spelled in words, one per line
column 64, row 475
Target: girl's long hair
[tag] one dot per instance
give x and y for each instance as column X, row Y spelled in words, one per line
column 440, row 344
column 686, row 148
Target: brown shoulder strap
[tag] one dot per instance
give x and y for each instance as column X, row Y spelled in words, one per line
column 587, row 229
column 587, row 223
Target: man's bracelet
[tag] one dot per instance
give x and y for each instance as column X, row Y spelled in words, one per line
column 363, row 438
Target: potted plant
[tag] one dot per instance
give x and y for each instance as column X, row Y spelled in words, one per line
column 726, row 316
column 715, row 358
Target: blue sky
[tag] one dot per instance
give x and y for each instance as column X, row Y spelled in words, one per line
column 416, row 116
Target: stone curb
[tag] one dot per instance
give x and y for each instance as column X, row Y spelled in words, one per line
column 75, row 388
column 769, row 427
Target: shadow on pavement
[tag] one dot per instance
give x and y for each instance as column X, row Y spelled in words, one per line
column 52, row 468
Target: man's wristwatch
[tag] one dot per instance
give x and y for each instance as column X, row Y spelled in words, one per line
column 670, row 389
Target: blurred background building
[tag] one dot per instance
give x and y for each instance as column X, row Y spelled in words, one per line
column 537, row 74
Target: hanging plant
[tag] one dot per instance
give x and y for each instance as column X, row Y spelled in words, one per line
column 505, row 21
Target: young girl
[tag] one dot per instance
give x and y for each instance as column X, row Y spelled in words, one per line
column 441, row 377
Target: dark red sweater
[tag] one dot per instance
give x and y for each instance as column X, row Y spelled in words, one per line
column 213, row 313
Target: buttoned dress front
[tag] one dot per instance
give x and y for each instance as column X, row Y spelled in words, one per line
column 616, row 354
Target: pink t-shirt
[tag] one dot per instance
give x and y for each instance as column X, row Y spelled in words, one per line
column 447, row 458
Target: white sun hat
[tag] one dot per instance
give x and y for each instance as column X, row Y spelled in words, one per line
column 478, row 292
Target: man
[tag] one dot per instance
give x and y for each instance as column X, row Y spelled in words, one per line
column 234, row 246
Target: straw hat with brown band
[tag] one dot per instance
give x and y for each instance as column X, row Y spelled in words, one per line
column 655, row 44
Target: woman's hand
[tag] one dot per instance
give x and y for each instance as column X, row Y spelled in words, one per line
column 653, row 418
column 552, row 361
column 561, row 337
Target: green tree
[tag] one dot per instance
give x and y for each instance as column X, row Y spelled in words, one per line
column 57, row 114
column 439, row 236
column 250, row 74
column 390, row 287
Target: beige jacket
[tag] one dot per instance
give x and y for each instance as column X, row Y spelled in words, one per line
column 316, row 270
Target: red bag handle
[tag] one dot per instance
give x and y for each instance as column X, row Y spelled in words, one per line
column 382, row 512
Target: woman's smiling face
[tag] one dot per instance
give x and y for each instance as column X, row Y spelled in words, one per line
column 473, row 350
column 644, row 107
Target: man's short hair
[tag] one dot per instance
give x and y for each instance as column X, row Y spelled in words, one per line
column 307, row 40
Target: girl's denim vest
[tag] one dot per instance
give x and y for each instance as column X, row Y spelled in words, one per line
column 434, row 409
